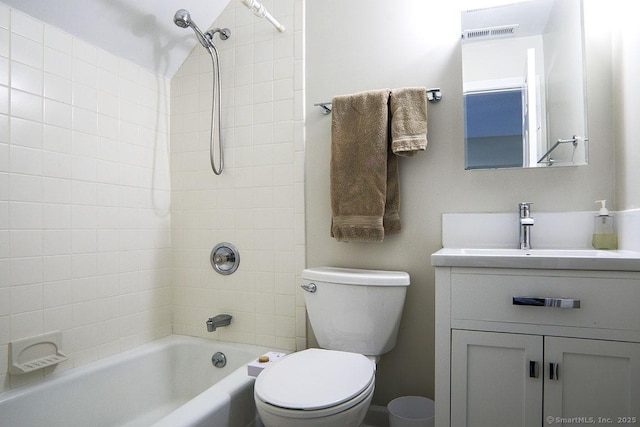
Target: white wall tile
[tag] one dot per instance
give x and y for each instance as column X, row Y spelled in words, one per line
column 27, row 26
column 26, row 243
column 25, row 160
column 258, row 214
column 26, row 105
column 4, row 42
column 85, row 121
column 25, row 188
column 56, row 242
column 26, row 51
column 26, row 298
column 58, row 88
column 4, row 128
column 26, row 78
column 56, row 216
column 4, row 100
column 56, row 190
column 57, row 139
column 58, row 39
column 5, row 16
column 26, row 133
column 58, row 63
column 108, row 80
column 57, row 113
column 25, row 270
column 4, row 216
column 57, row 165
column 84, row 96
column 72, row 106
column 56, row 269
column 84, row 51
column 25, row 215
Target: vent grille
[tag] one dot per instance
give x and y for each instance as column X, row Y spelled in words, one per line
column 490, row 33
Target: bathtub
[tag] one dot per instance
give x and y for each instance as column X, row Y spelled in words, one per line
column 170, row 382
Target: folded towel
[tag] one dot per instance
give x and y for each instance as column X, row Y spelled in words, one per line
column 408, row 107
column 364, row 177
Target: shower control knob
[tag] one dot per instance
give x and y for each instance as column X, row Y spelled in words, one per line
column 220, row 259
column 225, row 258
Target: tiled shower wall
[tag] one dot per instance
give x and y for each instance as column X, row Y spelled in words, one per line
column 257, row 203
column 85, row 238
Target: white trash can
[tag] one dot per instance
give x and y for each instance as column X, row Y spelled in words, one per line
column 411, row 411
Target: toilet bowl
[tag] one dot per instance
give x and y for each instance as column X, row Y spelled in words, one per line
column 355, row 315
column 316, row 387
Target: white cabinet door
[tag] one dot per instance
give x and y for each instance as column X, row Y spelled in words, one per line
column 490, row 379
column 597, row 382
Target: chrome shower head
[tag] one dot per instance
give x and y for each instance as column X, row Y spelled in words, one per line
column 182, row 19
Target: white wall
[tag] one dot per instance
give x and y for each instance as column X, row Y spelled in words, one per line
column 360, row 45
column 257, row 203
column 508, row 58
column 627, row 104
column 84, row 196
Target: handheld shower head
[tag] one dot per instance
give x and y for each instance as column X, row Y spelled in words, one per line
column 182, row 19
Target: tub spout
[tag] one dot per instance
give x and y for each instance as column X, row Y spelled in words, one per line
column 218, row 321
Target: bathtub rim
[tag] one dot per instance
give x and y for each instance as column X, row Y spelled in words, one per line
column 114, row 359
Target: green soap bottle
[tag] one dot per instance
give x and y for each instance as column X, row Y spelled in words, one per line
column 604, row 231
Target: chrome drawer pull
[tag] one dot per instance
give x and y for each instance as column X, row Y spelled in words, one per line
column 547, row 302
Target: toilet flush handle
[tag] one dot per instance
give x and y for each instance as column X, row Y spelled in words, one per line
column 309, row 287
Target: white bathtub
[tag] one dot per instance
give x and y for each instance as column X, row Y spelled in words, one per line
column 170, row 382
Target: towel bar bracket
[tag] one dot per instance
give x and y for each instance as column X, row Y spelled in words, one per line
column 434, row 95
column 325, row 107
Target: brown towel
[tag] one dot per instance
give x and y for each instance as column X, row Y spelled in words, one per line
column 364, row 176
column 408, row 107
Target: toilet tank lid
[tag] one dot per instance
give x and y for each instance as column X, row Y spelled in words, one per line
column 353, row 276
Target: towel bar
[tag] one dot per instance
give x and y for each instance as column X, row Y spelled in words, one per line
column 433, row 95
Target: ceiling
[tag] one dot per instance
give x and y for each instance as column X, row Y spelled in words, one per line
column 530, row 17
column 139, row 30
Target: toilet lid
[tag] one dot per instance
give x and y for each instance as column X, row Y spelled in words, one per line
column 315, row 379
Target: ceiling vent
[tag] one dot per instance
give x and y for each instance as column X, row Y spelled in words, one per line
column 490, row 33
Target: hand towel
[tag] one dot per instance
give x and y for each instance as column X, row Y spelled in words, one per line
column 408, row 107
column 364, row 177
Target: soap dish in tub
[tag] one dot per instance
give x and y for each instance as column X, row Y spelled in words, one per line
column 33, row 353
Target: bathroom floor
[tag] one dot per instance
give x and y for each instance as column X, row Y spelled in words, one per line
column 377, row 416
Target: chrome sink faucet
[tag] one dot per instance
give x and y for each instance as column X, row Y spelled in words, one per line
column 526, row 222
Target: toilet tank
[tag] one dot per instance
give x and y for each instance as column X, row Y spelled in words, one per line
column 355, row 310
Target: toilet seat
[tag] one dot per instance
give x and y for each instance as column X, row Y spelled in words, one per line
column 316, row 380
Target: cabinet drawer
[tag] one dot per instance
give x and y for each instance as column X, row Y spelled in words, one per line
column 606, row 303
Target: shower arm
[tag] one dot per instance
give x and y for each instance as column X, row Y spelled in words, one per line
column 260, row 11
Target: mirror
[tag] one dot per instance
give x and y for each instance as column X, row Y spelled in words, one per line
column 524, row 85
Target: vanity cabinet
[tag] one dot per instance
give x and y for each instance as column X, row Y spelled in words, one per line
column 505, row 364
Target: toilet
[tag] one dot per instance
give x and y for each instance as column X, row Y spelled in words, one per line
column 355, row 315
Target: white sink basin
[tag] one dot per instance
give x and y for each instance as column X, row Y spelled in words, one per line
column 561, row 253
column 566, row 259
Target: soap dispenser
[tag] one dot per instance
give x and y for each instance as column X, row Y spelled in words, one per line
column 604, row 231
